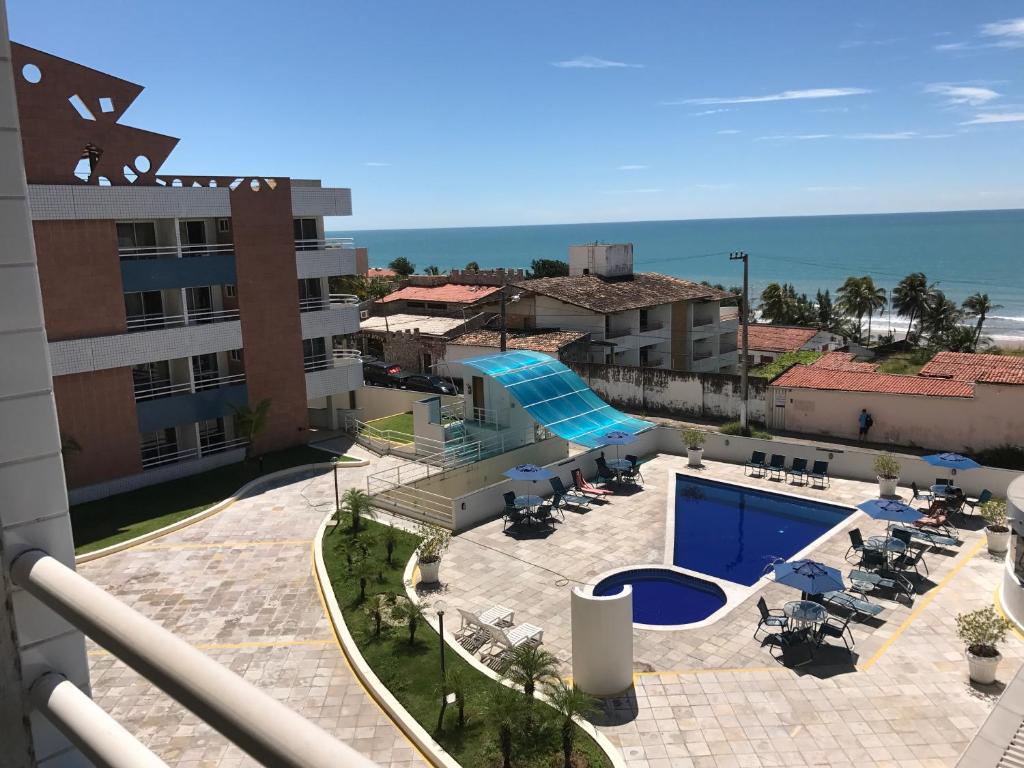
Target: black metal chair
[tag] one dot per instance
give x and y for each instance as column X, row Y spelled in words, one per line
column 831, row 627
column 604, row 471
column 756, row 463
column 634, row 471
column 777, row 465
column 973, row 502
column 770, row 617
column 819, row 473
column 926, row 496
column 856, row 544
column 798, row 469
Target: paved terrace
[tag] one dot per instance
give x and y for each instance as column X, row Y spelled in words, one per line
column 239, row 586
column 713, row 696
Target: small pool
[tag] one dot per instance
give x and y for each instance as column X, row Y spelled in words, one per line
column 662, row 597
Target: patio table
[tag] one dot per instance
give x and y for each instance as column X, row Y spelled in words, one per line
column 620, row 466
column 528, row 503
column 804, row 614
column 886, row 544
column 942, row 491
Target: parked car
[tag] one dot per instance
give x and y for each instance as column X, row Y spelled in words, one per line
column 425, row 383
column 381, row 374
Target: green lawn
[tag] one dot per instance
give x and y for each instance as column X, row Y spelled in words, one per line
column 400, row 422
column 782, row 362
column 412, row 672
column 98, row 524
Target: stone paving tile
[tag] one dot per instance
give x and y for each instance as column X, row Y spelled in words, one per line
column 712, row 696
column 239, row 585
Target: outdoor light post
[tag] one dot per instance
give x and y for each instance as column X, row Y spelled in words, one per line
column 439, row 607
column 337, row 503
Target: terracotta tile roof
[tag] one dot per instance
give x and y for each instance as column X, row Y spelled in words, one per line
column 964, row 366
column 598, row 294
column 380, row 272
column 444, row 294
column 842, row 361
column 811, row 377
column 550, row 342
column 729, row 313
column 776, row 338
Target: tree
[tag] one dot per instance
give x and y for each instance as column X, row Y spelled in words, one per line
column 504, row 709
column 571, row 703
column 939, row 319
column 859, row 296
column 825, row 311
column 959, row 338
column 413, row 615
column 432, row 270
column 874, row 299
column 377, row 288
column 774, row 304
column 549, row 268
column 402, row 266
column 363, row 568
column 530, row 664
column 455, row 682
column 472, row 267
column 357, row 503
column 390, row 539
column 250, row 423
column 910, row 298
column 980, row 306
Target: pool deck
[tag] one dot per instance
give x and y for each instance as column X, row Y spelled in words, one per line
column 713, row 696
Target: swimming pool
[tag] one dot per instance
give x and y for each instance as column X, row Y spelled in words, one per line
column 663, row 597
column 733, row 532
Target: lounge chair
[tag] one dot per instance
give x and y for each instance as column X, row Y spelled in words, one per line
column 858, row 607
column 819, row 473
column 856, row 544
column 831, row 627
column 501, row 642
column 770, row 617
column 777, row 465
column 564, row 494
column 798, row 469
column 927, row 537
column 926, row 496
column 973, row 502
column 604, row 471
column 513, row 517
column 860, row 581
column 473, row 632
column 582, row 486
column 634, row 470
column 756, row 463
column 939, row 521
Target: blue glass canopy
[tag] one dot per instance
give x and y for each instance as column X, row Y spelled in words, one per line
column 555, row 396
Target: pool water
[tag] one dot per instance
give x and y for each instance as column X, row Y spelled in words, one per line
column 733, row 532
column 664, row 597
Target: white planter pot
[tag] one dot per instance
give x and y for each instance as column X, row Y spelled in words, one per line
column 694, row 456
column 998, row 541
column 887, row 486
column 982, row 669
column 430, row 572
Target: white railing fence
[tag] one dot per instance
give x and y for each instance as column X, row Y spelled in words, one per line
column 315, row 244
column 154, row 320
column 161, row 458
column 138, row 253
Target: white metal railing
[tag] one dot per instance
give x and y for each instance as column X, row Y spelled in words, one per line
column 482, row 416
column 215, row 380
column 137, row 253
column 700, row 322
column 321, row 303
column 317, row 363
column 618, row 333
column 348, row 354
column 259, row 724
column 147, row 390
column 184, row 454
column 702, row 354
column 153, row 320
column 316, row 244
column 649, row 327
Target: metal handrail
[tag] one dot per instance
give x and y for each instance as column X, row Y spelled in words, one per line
column 348, row 354
column 260, row 725
column 139, row 253
column 317, row 363
column 322, row 303
column 190, row 453
column 96, row 734
column 196, row 317
column 647, row 328
column 700, row 322
column 317, row 244
column 219, row 381
column 147, row 390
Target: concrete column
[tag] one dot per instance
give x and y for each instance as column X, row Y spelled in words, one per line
column 33, row 500
column 602, row 641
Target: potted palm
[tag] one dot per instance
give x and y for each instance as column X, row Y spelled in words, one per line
column 997, row 532
column 693, row 439
column 982, row 631
column 887, row 470
column 432, row 547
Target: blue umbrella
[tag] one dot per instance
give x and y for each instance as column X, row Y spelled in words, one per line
column 891, row 510
column 617, row 437
column 809, row 576
column 528, row 472
column 953, row 461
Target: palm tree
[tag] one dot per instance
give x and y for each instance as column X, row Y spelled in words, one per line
column 472, row 267
column 504, row 708
column 874, row 299
column 910, row 298
column 357, row 503
column 851, row 301
column 530, row 664
column 959, row 338
column 978, row 305
column 250, row 423
column 940, row 316
column 432, row 270
column 363, row 568
column 825, row 311
column 455, row 682
column 402, row 266
column 571, row 703
column 774, row 303
column 413, row 615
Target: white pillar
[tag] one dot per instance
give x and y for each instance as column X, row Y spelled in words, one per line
column 33, row 499
column 602, row 642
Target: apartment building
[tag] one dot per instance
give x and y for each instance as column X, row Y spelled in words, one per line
column 633, row 318
column 171, row 301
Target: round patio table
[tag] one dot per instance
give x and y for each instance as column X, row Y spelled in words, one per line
column 620, row 466
column 526, row 502
column 942, row 491
column 886, row 544
column 804, row 614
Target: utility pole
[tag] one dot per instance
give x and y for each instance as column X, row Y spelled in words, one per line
column 504, row 301
column 745, row 319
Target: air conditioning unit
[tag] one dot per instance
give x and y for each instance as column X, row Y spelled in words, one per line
column 364, row 314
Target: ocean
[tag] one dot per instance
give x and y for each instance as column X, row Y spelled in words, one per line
column 961, row 251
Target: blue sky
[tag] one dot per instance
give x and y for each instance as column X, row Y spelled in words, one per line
column 476, row 113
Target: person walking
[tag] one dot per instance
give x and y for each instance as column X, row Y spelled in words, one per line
column 866, row 422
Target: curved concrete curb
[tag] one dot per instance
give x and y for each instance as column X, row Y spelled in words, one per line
column 210, row 511
column 432, row 751
column 602, row 741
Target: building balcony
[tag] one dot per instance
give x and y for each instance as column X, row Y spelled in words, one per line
column 154, row 269
column 188, row 407
column 336, row 315
column 651, row 327
column 332, row 375
column 156, row 455
column 191, row 317
column 726, row 347
column 619, row 333
column 325, row 258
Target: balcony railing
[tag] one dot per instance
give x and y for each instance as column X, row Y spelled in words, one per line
column 702, row 354
column 700, row 322
column 136, row 253
column 618, row 333
column 321, row 303
column 153, row 321
column 317, row 363
column 724, row 349
column 325, row 244
column 153, row 388
column 184, row 454
column 648, row 327
column 215, row 380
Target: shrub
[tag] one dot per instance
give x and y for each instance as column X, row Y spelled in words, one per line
column 887, row 466
column 775, row 368
column 693, row 438
column 1003, row 456
column 994, row 513
column 752, row 430
column 435, row 542
column 982, row 631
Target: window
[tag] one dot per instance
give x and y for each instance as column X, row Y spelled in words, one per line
column 211, row 434
column 223, row 225
column 306, row 236
column 415, row 305
column 229, row 291
column 192, row 232
column 235, row 355
column 205, row 370
column 135, row 237
column 144, row 309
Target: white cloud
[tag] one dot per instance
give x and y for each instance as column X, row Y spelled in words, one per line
column 640, row 191
column 372, row 164
column 834, row 189
column 715, row 186
column 593, row 62
column 727, row 132
column 698, row 114
column 1010, row 32
column 894, row 136
column 809, row 93
column 972, row 95
column 632, row 167
column 795, row 137
column 869, row 43
column 951, row 46
column 987, row 118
